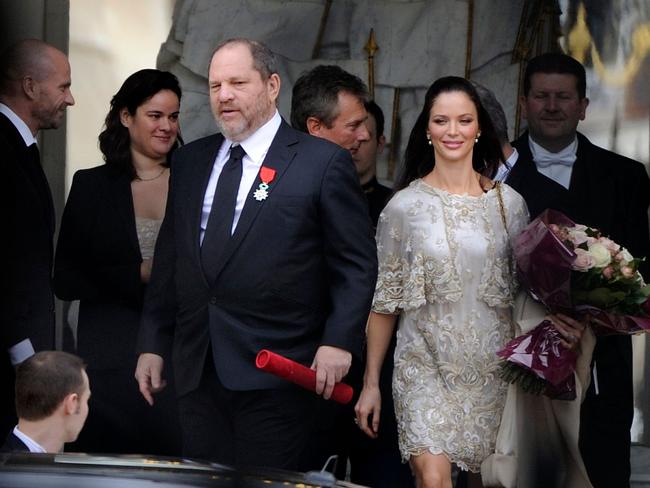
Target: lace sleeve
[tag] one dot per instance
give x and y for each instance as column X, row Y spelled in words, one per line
column 400, row 281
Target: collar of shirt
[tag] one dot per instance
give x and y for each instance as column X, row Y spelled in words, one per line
column 258, row 143
column 256, row 147
column 31, row 444
column 20, row 126
column 504, row 169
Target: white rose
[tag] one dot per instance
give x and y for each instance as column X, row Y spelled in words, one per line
column 601, row 255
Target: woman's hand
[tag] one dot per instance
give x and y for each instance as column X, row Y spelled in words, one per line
column 570, row 330
column 368, row 409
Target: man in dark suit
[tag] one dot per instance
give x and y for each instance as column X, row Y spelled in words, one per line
column 331, row 103
column 34, row 94
column 52, row 393
column 559, row 168
column 266, row 243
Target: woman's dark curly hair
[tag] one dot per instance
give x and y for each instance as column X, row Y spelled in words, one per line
column 114, row 140
column 419, row 158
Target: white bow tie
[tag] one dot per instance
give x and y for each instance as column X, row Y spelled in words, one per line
column 544, row 158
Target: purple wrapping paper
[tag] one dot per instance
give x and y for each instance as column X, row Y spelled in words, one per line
column 544, row 269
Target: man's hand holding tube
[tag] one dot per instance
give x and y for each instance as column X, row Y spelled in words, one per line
column 331, row 365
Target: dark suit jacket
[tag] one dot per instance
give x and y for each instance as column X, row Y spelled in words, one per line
column 299, row 271
column 377, row 196
column 26, row 300
column 13, row 444
column 28, row 216
column 612, row 193
column 98, row 262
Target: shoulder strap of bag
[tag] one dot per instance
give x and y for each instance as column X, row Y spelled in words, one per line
column 502, row 209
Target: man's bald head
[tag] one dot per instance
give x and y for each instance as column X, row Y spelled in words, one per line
column 35, row 83
column 29, row 57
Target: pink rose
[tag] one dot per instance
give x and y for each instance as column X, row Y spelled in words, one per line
column 578, row 236
column 627, row 271
column 611, row 246
column 584, row 261
column 624, row 256
column 608, row 272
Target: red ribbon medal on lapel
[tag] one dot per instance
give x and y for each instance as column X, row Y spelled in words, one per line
column 266, row 175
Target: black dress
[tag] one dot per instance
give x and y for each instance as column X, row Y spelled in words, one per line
column 98, row 262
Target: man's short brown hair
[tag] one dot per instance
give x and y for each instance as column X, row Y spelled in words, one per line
column 44, row 380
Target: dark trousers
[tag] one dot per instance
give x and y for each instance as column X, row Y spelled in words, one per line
column 606, row 417
column 269, row 428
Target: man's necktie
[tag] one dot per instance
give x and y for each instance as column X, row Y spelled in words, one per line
column 220, row 221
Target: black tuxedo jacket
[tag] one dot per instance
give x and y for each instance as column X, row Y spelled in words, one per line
column 298, row 272
column 98, row 262
column 607, row 191
column 13, row 444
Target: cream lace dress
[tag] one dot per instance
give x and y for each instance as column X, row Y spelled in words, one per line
column 444, row 266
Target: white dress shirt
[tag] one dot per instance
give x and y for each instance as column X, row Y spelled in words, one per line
column 256, row 147
column 31, row 444
column 555, row 165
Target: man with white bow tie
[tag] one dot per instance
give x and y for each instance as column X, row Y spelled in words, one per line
column 560, row 168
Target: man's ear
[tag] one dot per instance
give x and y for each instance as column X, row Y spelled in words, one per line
column 71, row 404
column 522, row 106
column 273, row 84
column 314, row 125
column 30, row 87
column 381, row 143
column 584, row 103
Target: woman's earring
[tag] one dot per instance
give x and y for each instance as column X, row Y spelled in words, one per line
column 477, row 136
column 429, row 139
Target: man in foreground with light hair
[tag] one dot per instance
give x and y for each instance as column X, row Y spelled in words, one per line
column 52, row 393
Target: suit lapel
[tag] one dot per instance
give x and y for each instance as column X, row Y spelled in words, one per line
column 539, row 191
column 120, row 191
column 279, row 157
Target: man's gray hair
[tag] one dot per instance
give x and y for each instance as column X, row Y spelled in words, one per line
column 264, row 60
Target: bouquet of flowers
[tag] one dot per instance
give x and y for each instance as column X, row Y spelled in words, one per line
column 572, row 269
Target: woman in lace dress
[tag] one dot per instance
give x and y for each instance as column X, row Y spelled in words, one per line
column 444, row 270
column 104, row 255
